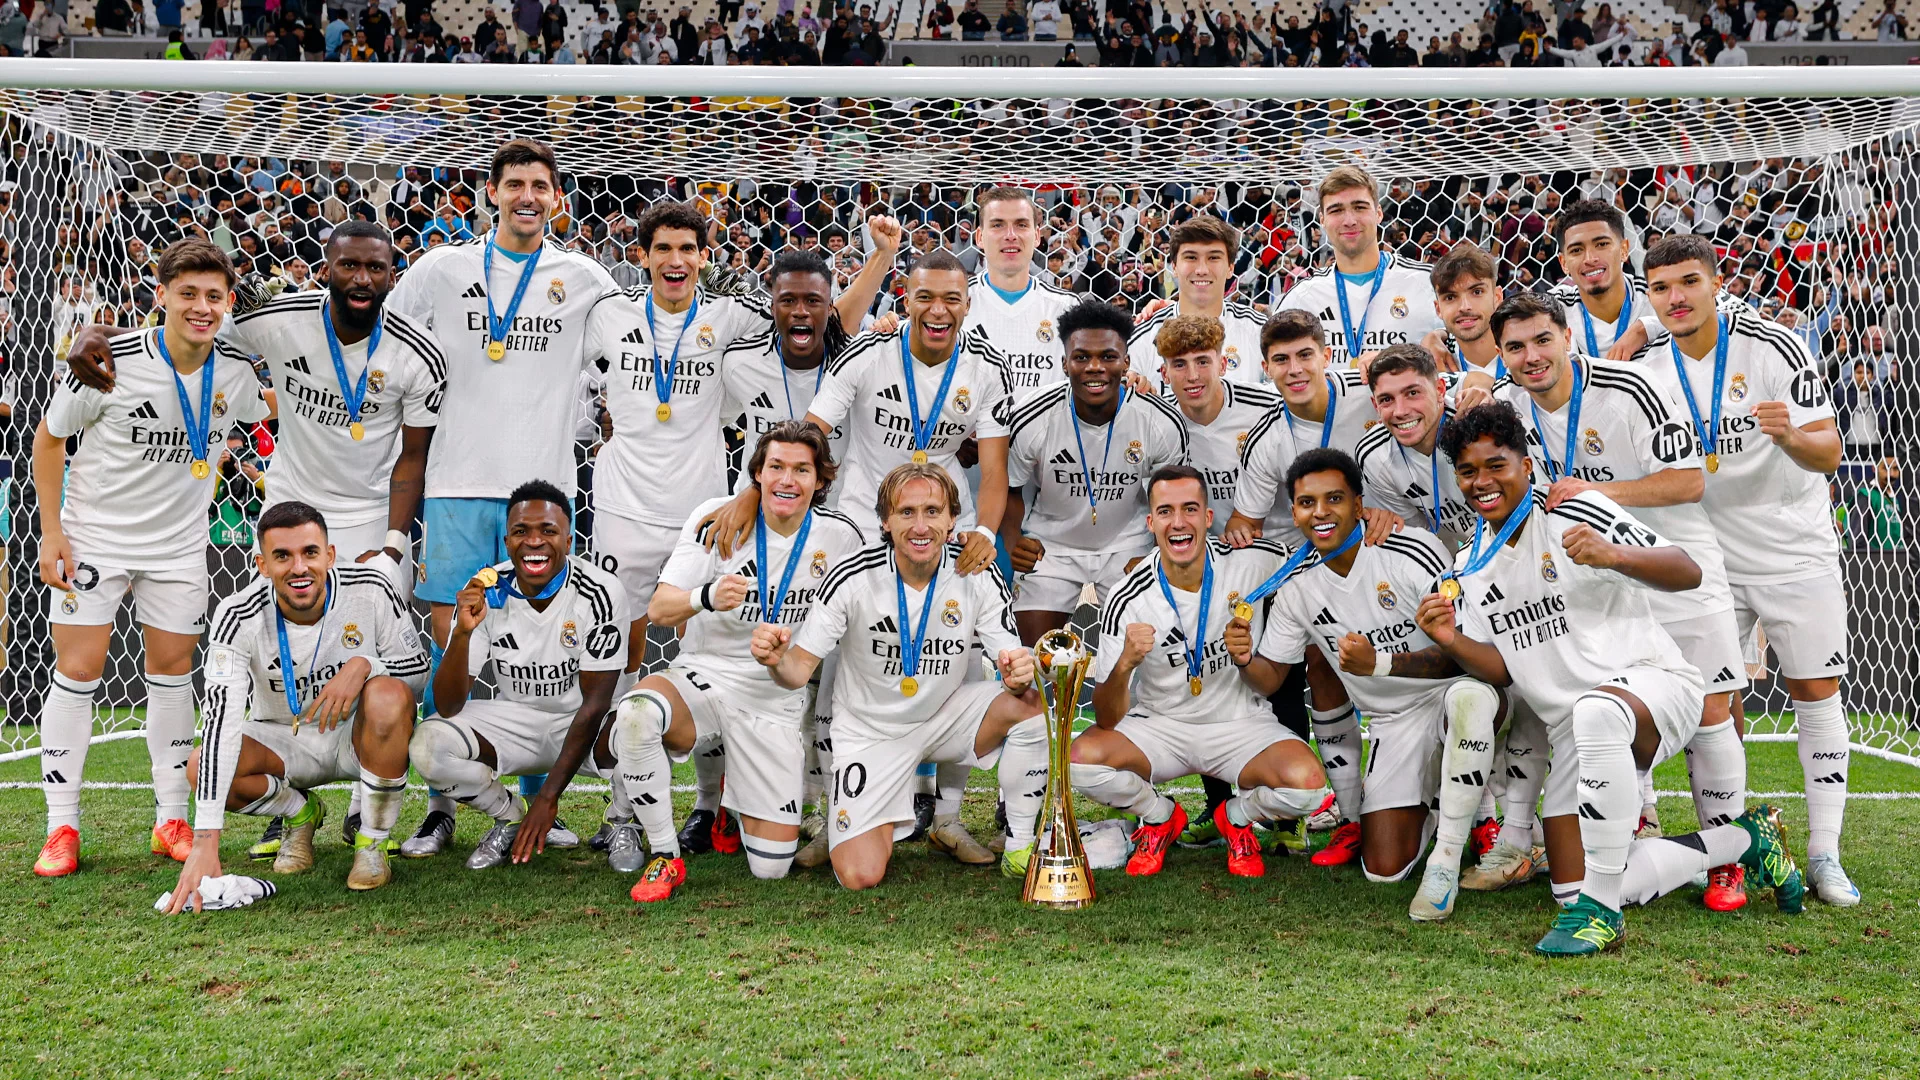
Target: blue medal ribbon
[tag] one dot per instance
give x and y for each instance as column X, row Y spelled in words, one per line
column 1086, row 473
column 770, row 605
column 1299, row 557
column 499, row 326
column 1194, row 643
column 1433, row 462
column 499, row 592
column 819, row 374
column 1554, row 469
column 356, row 395
column 1619, row 325
column 910, row 646
column 663, row 377
column 1326, row 426
column 1357, row 339
column 287, row 672
column 1466, row 365
column 1477, row 559
column 197, row 425
column 923, row 432
column 1709, row 433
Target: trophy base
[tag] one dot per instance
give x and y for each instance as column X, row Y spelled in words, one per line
column 1061, row 882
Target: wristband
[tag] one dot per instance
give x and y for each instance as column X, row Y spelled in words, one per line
column 1382, row 664
column 399, row 541
column 992, row 537
column 703, row 600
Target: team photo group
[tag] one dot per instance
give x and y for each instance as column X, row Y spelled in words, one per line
column 1418, row 577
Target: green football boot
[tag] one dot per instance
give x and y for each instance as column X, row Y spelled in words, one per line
column 1769, row 859
column 1586, row 928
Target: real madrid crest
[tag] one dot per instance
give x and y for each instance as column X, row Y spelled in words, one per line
column 219, row 405
column 1383, row 592
column 1546, row 567
column 1399, row 307
column 1134, row 454
column 1044, row 331
column 842, row 822
column 70, row 603
column 376, row 380
column 819, row 567
column 963, row 401
column 1240, row 440
column 705, row 338
column 556, row 291
column 570, row 635
column 1233, row 357
column 350, row 636
column 1737, row 387
column 1592, row 444
column 950, row 615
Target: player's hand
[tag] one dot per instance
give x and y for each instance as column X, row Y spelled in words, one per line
column 203, row 863
column 1364, row 361
column 1565, row 488
column 90, row 358
column 1380, row 523
column 1471, row 395
column 336, row 700
column 1587, row 547
column 1626, row 345
column 769, row 644
column 976, row 555
column 1435, row 618
column 1356, row 654
column 1152, row 306
column 1435, row 342
column 369, row 556
column 1239, row 639
column 1026, row 554
column 532, row 837
column 729, row 592
column 732, row 522
column 885, row 324
column 1138, row 383
column 1016, row 670
column 968, row 455
column 56, row 562
column 1242, row 531
column 885, row 232
column 1774, row 420
column 1138, row 644
column 470, row 607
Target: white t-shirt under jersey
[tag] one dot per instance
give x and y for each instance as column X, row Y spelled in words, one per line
column 865, row 391
column 132, row 502
column 1593, row 335
column 1240, row 353
column 538, row 655
column 1159, row 687
column 508, row 421
column 316, row 459
column 654, row 471
column 1402, row 311
column 715, row 643
column 1376, row 599
column 1026, row 330
column 857, row 611
column 1281, row 436
column 1774, row 519
column 1403, row 481
column 1215, row 448
column 1146, row 433
column 765, row 391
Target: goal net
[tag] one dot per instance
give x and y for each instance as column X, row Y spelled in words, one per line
column 1805, row 179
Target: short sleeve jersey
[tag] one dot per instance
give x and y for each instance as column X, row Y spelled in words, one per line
column 1025, row 330
column 1240, row 353
column 1215, row 448
column 1281, row 436
column 538, row 656
column 1404, row 481
column 1054, row 451
column 1592, row 334
column 1400, row 311
column 761, row 388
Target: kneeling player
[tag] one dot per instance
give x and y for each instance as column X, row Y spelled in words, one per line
column 555, row 627
column 714, row 691
column 1553, row 604
column 901, row 695
column 1172, row 702
column 1356, row 603
column 331, row 663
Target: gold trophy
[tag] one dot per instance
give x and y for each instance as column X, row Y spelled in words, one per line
column 1057, row 872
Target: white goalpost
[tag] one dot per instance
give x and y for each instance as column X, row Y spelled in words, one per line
column 1807, row 179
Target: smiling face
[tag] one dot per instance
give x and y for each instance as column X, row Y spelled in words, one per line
column 1203, row 270
column 526, row 196
column 538, row 536
column 1008, row 235
column 359, row 277
column 1096, row 363
column 802, row 302
column 195, row 303
column 1352, row 221
column 1298, row 369
column 674, row 259
column 1325, row 509
column 919, row 523
column 1178, row 517
column 936, row 309
column 787, row 480
column 1682, row 295
column 1537, row 353
column 1493, row 478
column 1410, row 405
column 296, row 560
column 1192, row 376
column 1466, row 307
column 1593, row 256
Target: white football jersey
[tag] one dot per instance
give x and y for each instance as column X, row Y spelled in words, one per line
column 316, row 460
column 1376, row 600
column 364, row 617
column 1593, row 335
column 1145, row 434
column 857, row 611
column 1160, row 688
column 763, row 390
column 131, row 499
column 1025, row 330
column 655, row 471
column 1240, row 353
column 508, row 421
column 1281, row 436
column 716, row 642
column 1562, row 628
column 1215, row 448
column 1404, row 481
column 1629, row 429
column 538, row 655
column 1774, row 518
column 865, row 390
column 1401, row 311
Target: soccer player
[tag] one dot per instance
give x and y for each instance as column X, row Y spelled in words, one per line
column 1218, row 414
column 554, row 626
column 1605, row 307
column 130, row 515
column 714, row 690
column 1019, row 313
column 1087, row 447
column 1378, row 299
column 312, row 672
column 1762, row 411
column 1598, row 425
column 1466, row 289
column 1400, row 457
column 1553, row 603
column 1171, row 697
column 1357, row 604
column 1201, row 252
column 903, row 695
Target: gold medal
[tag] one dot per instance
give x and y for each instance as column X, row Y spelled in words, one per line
column 909, row 686
column 1243, row 611
column 1193, row 685
column 496, row 350
column 1096, row 516
column 357, row 430
column 919, row 457
column 663, row 412
column 488, row 577
column 1713, row 462
column 1450, row 588
column 202, row 470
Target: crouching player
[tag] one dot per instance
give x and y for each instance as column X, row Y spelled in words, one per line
column 555, row 628
column 331, row 663
column 1173, row 701
column 1552, row 602
column 1357, row 604
column 905, row 622
column 714, row 691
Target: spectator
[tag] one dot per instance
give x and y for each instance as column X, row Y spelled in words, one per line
column 49, row 29
column 1013, row 23
column 1890, row 25
column 714, row 49
column 378, row 25
column 166, row 13
column 176, row 40
column 686, row 39
column 973, row 22
column 501, row 50
column 939, row 19
column 1732, row 54
column 1045, row 19
column 1826, row 22
column 1401, row 54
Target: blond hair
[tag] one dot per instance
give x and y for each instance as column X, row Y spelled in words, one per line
column 902, row 475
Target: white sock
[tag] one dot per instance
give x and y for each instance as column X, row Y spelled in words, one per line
column 1127, row 792
column 951, row 788
column 1649, row 805
column 1467, row 758
column 1603, row 729
column 170, row 720
column 619, row 803
column 1565, row 893
column 282, row 800
column 709, row 772
column 380, row 800
column 768, row 859
column 819, row 736
column 66, row 732
column 1489, row 802
column 443, row 756
column 1337, row 733
column 1023, row 780
column 1824, row 757
column 1656, row 867
column 1527, row 749
column 641, row 759
column 1264, row 803
column 1717, row 773
column 443, row 802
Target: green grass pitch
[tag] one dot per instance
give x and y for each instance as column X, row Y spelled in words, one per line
column 548, row 970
